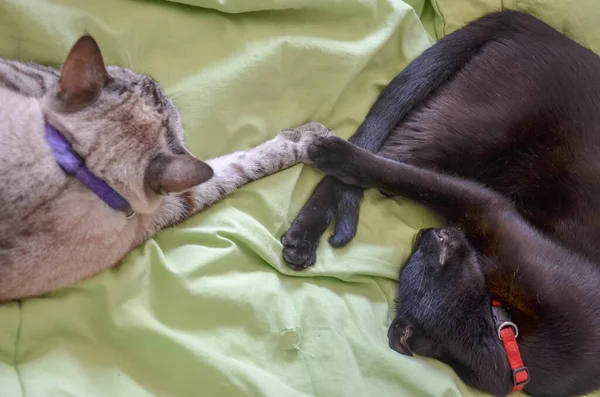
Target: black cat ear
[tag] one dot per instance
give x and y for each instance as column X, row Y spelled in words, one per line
column 168, row 173
column 399, row 335
column 82, row 75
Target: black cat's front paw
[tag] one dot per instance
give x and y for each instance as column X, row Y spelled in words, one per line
column 338, row 158
column 299, row 253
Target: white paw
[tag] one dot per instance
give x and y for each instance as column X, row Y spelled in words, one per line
column 303, row 136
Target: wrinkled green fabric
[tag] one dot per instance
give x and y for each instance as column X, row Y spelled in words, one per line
column 209, row 308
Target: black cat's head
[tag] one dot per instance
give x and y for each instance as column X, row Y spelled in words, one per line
column 441, row 284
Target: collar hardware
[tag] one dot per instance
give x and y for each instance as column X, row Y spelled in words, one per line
column 508, row 332
column 521, row 373
column 505, row 324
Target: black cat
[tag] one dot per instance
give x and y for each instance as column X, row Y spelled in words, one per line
column 495, row 128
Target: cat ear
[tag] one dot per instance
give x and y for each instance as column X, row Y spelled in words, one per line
column 399, row 335
column 169, row 173
column 82, row 75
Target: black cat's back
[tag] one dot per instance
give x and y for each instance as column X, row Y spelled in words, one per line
column 523, row 118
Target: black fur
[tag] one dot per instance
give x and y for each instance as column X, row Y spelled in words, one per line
column 506, row 149
column 413, row 85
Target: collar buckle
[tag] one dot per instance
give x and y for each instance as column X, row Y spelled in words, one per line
column 505, row 324
column 502, row 321
column 520, row 384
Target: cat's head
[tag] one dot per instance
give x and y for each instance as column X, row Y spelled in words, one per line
column 444, row 311
column 440, row 284
column 124, row 127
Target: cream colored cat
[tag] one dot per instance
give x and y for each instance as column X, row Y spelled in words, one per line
column 92, row 163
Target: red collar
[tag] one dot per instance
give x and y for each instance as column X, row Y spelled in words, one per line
column 508, row 333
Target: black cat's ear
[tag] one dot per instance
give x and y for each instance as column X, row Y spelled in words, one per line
column 82, row 75
column 169, row 173
column 399, row 335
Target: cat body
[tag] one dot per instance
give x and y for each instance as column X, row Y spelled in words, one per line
column 496, row 129
column 56, row 230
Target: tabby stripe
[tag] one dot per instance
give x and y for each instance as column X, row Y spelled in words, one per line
column 240, row 171
column 11, row 86
column 38, row 79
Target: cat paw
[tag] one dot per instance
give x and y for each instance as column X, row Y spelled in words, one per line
column 304, row 136
column 337, row 157
column 298, row 253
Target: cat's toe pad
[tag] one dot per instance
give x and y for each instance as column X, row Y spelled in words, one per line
column 298, row 254
column 304, row 135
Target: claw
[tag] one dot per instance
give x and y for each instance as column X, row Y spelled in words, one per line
column 296, row 261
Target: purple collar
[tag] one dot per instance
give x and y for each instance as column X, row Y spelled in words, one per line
column 74, row 165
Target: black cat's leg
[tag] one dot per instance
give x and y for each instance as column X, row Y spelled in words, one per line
column 301, row 240
column 451, row 197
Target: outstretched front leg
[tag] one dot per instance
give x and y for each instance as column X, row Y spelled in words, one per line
column 458, row 200
column 235, row 170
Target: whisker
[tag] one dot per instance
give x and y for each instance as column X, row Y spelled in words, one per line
column 129, row 57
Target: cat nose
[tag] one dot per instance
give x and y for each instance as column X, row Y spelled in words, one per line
column 441, row 234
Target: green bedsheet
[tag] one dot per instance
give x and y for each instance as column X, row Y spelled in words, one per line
column 209, row 308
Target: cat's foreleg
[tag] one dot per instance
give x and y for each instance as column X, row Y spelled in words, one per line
column 456, row 199
column 237, row 169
